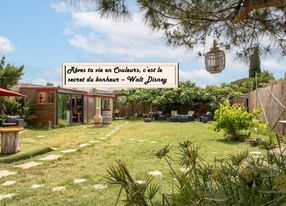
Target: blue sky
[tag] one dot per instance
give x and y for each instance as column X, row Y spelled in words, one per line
column 44, row 34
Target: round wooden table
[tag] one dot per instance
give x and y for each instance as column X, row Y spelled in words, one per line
column 10, row 142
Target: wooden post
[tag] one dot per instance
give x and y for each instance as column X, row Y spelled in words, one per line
column 10, row 143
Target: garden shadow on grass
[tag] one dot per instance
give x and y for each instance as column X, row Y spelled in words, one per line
column 27, row 152
column 226, row 140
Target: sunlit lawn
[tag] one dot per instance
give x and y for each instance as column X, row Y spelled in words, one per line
column 134, row 143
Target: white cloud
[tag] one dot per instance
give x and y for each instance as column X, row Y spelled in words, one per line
column 60, row 6
column 200, row 76
column 274, row 64
column 41, row 81
column 6, row 45
column 130, row 39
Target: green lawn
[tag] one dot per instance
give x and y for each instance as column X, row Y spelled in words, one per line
column 135, row 143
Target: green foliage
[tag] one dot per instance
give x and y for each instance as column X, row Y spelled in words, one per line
column 62, row 123
column 239, row 179
column 186, row 94
column 233, row 119
column 246, row 85
column 9, row 74
column 137, row 193
column 15, row 106
column 254, row 66
column 234, row 23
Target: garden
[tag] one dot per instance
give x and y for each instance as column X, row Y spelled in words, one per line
column 83, row 155
column 194, row 144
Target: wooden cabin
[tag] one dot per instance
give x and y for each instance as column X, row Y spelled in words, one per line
column 52, row 105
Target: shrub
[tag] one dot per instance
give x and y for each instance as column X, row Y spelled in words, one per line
column 137, row 193
column 233, row 119
column 62, row 123
column 237, row 180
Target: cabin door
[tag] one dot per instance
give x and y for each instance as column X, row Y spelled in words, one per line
column 77, row 109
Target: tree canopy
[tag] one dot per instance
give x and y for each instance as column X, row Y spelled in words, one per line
column 235, row 23
column 254, row 67
column 188, row 93
column 9, row 74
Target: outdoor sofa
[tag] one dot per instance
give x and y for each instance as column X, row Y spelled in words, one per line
column 12, row 121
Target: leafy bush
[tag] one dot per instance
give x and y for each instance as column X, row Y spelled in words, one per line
column 238, row 179
column 62, row 123
column 233, row 119
column 15, row 106
column 137, row 193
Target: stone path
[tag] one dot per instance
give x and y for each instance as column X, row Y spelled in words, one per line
column 155, row 173
column 100, row 186
column 8, row 183
column 255, row 153
column 69, row 151
column 93, row 141
column 28, row 165
column 184, row 169
column 58, row 188
column 50, row 157
column 80, row 180
column 42, row 136
column 84, row 145
column 140, row 182
column 5, row 173
column 36, row 186
column 7, row 196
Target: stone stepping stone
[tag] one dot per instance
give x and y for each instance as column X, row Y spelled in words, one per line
column 153, row 142
column 50, row 157
column 140, row 182
column 69, row 151
column 155, row 173
column 255, row 153
column 42, row 136
column 36, row 186
column 29, row 165
column 5, row 173
column 8, row 183
column 27, row 140
column 58, row 188
column 54, row 148
column 6, row 196
column 141, row 140
column 278, row 151
column 184, row 169
column 84, row 145
column 80, row 180
column 103, row 138
column 93, row 141
column 99, row 186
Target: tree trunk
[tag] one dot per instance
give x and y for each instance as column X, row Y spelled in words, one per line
column 10, row 143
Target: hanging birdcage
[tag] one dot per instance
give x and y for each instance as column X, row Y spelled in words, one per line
column 215, row 59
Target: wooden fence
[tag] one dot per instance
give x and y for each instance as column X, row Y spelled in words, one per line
column 273, row 100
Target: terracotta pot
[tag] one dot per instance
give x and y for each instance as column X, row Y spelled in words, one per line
column 98, row 118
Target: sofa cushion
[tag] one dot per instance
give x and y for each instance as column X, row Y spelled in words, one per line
column 12, row 119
